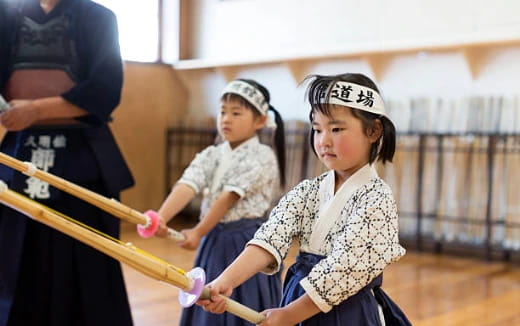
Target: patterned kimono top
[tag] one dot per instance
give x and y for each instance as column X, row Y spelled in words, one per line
column 356, row 229
column 250, row 170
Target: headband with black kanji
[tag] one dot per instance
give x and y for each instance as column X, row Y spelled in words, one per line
column 355, row 96
column 252, row 95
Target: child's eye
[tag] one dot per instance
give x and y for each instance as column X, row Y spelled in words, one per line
column 236, row 114
column 316, row 131
column 337, row 129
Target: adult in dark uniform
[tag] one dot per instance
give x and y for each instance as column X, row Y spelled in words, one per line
column 61, row 71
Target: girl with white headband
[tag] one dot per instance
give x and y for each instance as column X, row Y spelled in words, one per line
column 345, row 219
column 239, row 179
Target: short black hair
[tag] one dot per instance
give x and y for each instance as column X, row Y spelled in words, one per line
column 384, row 148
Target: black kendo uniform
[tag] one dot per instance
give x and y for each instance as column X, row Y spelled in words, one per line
column 46, row 277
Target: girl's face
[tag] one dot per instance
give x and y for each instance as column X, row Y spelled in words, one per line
column 237, row 123
column 340, row 141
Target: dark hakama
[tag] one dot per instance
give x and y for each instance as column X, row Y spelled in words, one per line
column 359, row 309
column 47, row 278
column 218, row 249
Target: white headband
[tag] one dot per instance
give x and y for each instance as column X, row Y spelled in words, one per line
column 250, row 93
column 357, row 97
column 253, row 96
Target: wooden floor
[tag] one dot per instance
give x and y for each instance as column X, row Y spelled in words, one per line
column 432, row 290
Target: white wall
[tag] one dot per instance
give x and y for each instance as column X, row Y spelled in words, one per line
column 259, row 28
column 250, row 29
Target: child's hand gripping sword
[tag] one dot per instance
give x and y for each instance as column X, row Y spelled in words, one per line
column 147, row 223
column 191, row 283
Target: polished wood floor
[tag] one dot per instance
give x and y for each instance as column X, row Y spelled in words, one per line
column 431, row 289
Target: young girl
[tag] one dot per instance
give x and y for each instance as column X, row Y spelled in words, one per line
column 345, row 219
column 239, row 179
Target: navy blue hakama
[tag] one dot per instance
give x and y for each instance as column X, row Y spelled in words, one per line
column 360, row 309
column 62, row 280
column 53, row 279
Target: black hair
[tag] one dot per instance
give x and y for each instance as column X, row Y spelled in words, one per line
column 279, row 136
column 319, row 88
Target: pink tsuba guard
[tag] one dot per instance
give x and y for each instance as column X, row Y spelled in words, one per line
column 187, row 299
column 149, row 230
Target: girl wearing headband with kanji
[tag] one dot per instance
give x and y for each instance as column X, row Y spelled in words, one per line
column 239, row 179
column 345, row 219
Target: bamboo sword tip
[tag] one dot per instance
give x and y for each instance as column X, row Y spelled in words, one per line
column 3, row 186
column 31, row 169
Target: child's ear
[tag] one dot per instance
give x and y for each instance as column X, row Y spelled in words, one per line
column 375, row 132
column 260, row 121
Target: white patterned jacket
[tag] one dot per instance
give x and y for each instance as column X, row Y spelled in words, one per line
column 356, row 229
column 250, row 170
